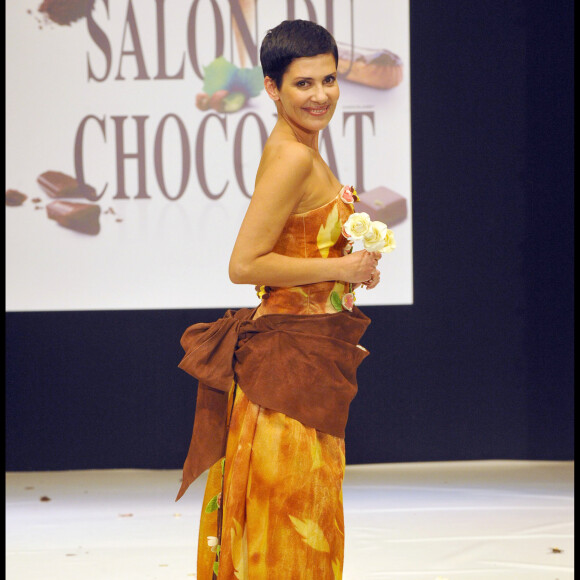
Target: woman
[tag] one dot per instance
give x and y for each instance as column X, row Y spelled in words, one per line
column 273, row 507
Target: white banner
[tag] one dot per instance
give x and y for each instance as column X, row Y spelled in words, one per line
column 134, row 129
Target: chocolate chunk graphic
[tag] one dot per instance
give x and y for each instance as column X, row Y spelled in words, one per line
column 383, row 204
column 81, row 217
column 58, row 185
column 14, row 197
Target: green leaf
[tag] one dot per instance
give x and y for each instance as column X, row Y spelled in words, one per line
column 212, row 505
column 223, row 75
column 218, row 75
column 223, row 465
column 249, row 81
column 216, row 567
column 335, row 300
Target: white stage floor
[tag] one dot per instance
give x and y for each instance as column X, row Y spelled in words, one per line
column 472, row 520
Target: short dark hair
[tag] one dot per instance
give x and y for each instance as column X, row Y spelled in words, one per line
column 290, row 40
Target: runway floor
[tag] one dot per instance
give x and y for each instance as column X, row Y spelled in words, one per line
column 473, row 520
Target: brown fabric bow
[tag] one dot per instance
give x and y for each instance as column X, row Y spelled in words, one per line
column 301, row 365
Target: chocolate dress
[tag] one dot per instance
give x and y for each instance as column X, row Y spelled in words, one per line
column 273, row 500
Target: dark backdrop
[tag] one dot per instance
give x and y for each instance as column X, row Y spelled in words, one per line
column 479, row 367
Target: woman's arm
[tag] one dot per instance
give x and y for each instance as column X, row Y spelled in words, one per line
column 279, row 188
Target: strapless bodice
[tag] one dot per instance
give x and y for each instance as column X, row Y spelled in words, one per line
column 313, row 234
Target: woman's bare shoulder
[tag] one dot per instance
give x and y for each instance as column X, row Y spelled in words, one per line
column 286, row 156
column 283, row 176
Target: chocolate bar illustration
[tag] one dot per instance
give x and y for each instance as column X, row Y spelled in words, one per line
column 81, row 217
column 59, row 185
column 383, row 204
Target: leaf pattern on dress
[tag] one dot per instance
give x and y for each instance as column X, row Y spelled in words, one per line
column 336, row 569
column 329, row 232
column 334, row 301
column 316, row 454
column 312, row 533
column 212, row 505
column 236, row 537
column 298, row 290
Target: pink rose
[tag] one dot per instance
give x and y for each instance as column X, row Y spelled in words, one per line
column 347, row 194
column 348, row 301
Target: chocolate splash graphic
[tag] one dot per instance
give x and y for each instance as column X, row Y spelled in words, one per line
column 64, row 12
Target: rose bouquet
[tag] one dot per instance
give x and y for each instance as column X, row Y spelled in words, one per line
column 375, row 236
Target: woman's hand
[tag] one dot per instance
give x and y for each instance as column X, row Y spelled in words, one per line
column 373, row 281
column 361, row 267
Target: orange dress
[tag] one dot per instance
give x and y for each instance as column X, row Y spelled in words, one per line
column 273, row 507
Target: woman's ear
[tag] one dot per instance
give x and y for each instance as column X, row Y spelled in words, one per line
column 271, row 88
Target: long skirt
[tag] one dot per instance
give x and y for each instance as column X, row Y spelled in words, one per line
column 273, row 507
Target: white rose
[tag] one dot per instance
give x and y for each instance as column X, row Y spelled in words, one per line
column 389, row 243
column 374, row 239
column 357, row 225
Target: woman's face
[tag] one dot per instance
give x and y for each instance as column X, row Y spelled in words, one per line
column 309, row 92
